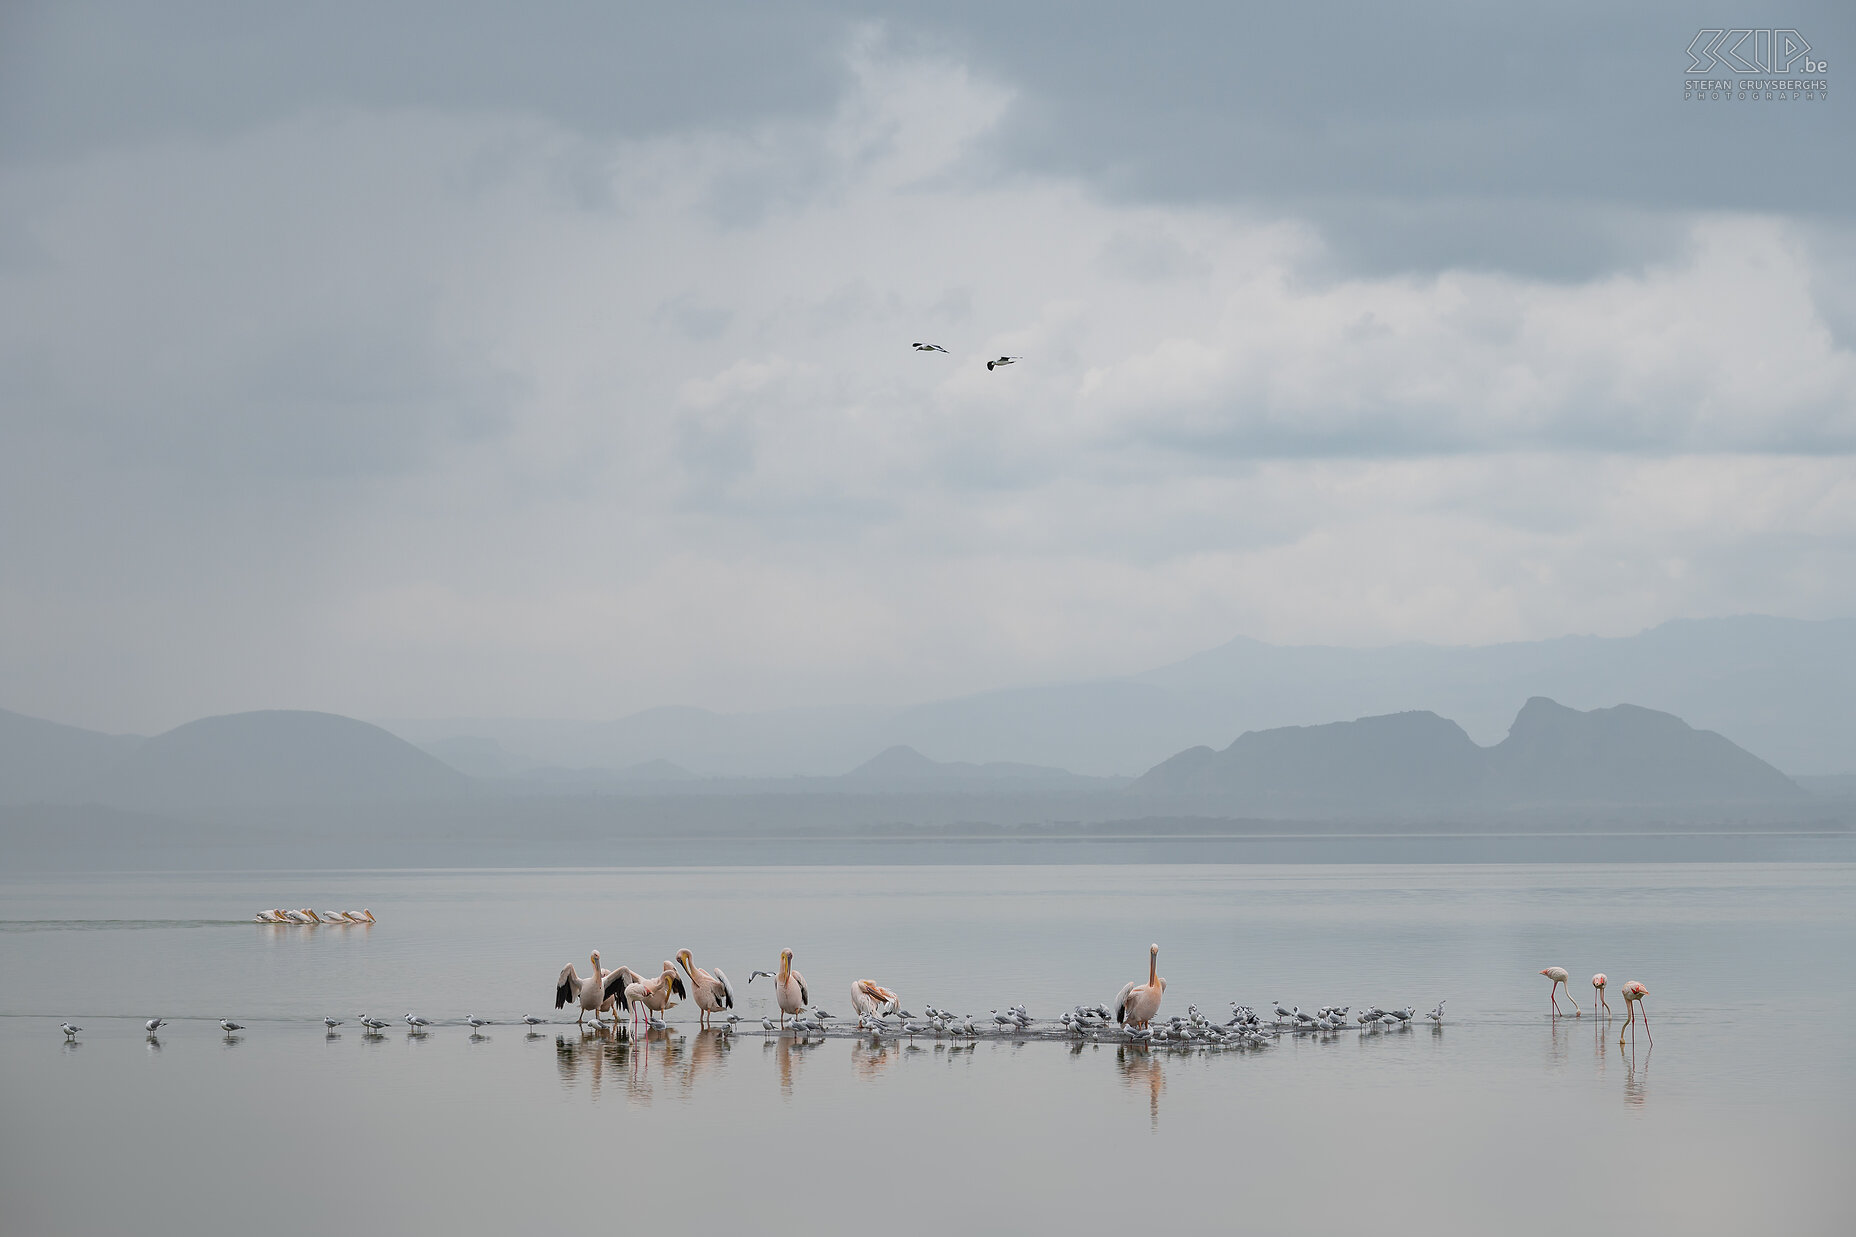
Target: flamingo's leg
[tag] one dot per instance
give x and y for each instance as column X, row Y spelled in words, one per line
column 1646, row 1027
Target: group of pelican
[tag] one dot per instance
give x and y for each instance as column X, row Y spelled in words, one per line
column 605, row 992
column 1633, row 991
column 303, row 915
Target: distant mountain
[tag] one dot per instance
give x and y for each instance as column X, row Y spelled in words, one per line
column 1778, row 687
column 273, row 757
column 41, row 761
column 903, row 768
column 1418, row 760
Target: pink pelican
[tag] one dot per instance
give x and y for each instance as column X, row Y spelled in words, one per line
column 789, row 987
column 1598, row 985
column 1558, row 975
column 655, row 994
column 1633, row 993
column 711, row 993
column 594, row 993
column 870, row 998
column 1137, row 1004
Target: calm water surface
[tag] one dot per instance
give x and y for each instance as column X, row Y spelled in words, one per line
column 1741, row 1118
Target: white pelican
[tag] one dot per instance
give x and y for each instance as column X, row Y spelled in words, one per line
column 711, row 993
column 1558, row 975
column 269, row 917
column 655, row 994
column 596, row 992
column 870, row 998
column 789, row 986
column 360, row 916
column 1137, row 1004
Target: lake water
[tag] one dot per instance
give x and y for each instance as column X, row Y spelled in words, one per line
column 1741, row 1118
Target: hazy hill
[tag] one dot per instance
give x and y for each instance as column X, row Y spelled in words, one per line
column 904, row 768
column 1418, row 760
column 40, row 760
column 1778, row 687
column 272, row 757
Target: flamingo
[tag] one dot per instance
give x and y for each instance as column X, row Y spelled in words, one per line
column 596, row 992
column 870, row 998
column 655, row 994
column 1136, row 1004
column 1558, row 975
column 1633, row 993
column 1598, row 993
column 712, row 993
column 789, row 987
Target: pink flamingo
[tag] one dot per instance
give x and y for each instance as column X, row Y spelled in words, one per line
column 1558, row 975
column 1633, row 993
column 1598, row 984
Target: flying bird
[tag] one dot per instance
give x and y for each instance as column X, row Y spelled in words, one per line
column 928, row 347
column 1004, row 360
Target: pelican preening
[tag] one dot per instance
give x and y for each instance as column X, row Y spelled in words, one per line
column 789, row 987
column 596, row 993
column 1558, row 975
column 1634, row 993
column 711, row 993
column 654, row 995
column 1136, row 1004
column 1598, row 994
column 871, row 999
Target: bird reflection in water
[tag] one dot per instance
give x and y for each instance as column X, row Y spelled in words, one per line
column 1636, row 1077
column 587, row 1056
column 1560, row 1041
column 871, row 1057
column 1140, row 1067
column 788, row 1054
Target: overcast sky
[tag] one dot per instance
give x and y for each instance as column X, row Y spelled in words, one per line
column 554, row 360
